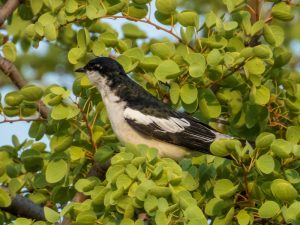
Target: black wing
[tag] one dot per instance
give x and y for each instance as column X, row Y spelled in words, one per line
column 174, row 127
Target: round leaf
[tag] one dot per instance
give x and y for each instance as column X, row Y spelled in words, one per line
column 269, row 209
column 51, row 215
column 224, row 188
column 56, row 171
column 166, row 70
column 5, row 200
column 283, row 190
column 265, row 164
column 188, row 93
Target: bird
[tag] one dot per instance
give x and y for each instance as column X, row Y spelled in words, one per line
column 137, row 117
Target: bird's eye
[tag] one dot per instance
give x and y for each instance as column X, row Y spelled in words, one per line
column 98, row 66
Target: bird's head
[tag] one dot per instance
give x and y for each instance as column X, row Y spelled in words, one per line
column 104, row 67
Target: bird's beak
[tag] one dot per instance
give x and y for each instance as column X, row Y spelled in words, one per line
column 80, row 70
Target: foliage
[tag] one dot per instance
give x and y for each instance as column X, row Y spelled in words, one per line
column 235, row 66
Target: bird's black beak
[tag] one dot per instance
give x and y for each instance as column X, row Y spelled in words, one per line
column 80, row 70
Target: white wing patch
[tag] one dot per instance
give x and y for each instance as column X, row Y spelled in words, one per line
column 171, row 124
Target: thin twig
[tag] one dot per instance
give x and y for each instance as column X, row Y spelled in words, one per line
column 21, row 120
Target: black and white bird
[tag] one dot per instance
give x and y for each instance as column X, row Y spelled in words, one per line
column 137, row 117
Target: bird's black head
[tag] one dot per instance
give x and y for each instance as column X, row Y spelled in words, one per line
column 103, row 65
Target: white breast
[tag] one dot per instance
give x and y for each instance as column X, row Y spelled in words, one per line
column 125, row 133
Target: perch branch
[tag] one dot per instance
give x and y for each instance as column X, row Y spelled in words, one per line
column 23, row 207
column 7, row 9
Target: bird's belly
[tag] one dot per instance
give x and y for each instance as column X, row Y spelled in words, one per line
column 126, row 134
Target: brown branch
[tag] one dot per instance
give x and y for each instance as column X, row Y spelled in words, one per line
column 16, row 78
column 7, row 9
column 23, row 207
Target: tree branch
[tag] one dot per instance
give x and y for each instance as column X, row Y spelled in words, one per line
column 23, row 207
column 7, row 9
column 16, row 78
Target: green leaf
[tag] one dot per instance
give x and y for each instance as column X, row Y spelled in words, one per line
column 150, row 63
column 103, row 154
column 230, row 25
column 110, row 39
column 243, row 217
column 136, row 10
column 281, row 148
column 224, row 188
column 263, row 51
column 210, row 19
column 86, row 185
column 188, row 18
column 264, row 140
column 161, row 218
column 132, row 31
column 36, row 6
column 71, row 6
column 282, row 11
column 292, row 176
column 292, row 213
column 187, row 34
column 13, row 98
column 23, row 221
column 188, row 93
column 214, row 57
column 134, row 53
column 83, row 38
column 166, row 70
column 98, row 47
column 47, row 18
column 269, row 209
column 50, row 32
column 260, row 94
column 126, row 62
column 5, row 199
column 31, row 92
column 273, row 34
column 293, row 134
column 209, row 104
column 255, row 66
column 265, row 164
column 123, row 181
column 60, row 143
column 166, row 6
column 283, row 190
column 257, row 27
column 10, row 52
column 56, row 171
column 218, row 148
column 32, row 160
column 150, row 204
column 174, row 92
column 74, row 54
column 62, row 111
column 51, row 215
column 216, row 207
column 164, row 50
column 195, row 214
